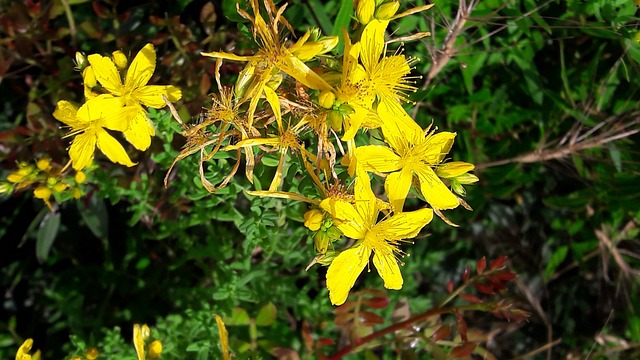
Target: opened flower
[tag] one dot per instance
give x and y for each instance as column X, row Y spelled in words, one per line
column 359, row 221
column 89, row 125
column 134, row 91
column 408, row 157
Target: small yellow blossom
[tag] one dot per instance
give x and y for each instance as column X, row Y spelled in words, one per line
column 359, row 221
column 134, row 91
column 89, row 123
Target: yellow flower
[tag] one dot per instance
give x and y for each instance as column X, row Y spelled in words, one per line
column 23, row 351
column 364, row 10
column 92, row 353
column 134, row 91
column 140, row 334
column 273, row 55
column 359, row 221
column 408, row 157
column 89, row 123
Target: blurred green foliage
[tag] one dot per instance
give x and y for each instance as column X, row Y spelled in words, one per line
column 543, row 96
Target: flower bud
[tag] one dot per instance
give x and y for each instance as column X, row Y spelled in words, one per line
column 313, row 219
column 42, row 192
column 387, row 10
column 20, row 175
column 81, row 61
column 59, row 187
column 80, row 177
column 467, row 179
column 326, row 99
column 155, row 349
column 119, row 59
column 327, row 258
column 335, row 119
column 91, row 353
column 43, row 164
column 364, row 11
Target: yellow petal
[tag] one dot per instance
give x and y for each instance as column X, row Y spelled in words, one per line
column 372, row 40
column 228, row 56
column 106, row 73
column 67, row 113
column 434, row 190
column 274, row 102
column 138, row 341
column 453, row 169
column 107, row 110
column 282, row 195
column 343, row 272
column 397, row 187
column 398, row 128
column 377, row 158
column 139, row 131
column 81, row 150
column 435, row 147
column 151, row 95
column 224, row 337
column 405, row 225
column 277, row 178
column 252, row 142
column 388, row 269
column 365, row 199
column 112, row 148
column 295, row 68
column 141, row 68
column 348, row 220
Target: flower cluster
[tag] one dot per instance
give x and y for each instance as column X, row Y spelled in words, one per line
column 115, row 94
column 47, row 180
column 298, row 100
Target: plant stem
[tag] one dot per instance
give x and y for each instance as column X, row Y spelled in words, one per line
column 407, row 323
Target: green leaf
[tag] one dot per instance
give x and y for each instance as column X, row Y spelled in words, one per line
column 95, row 216
column 266, row 315
column 46, row 235
column 556, row 259
column 343, row 18
column 239, row 316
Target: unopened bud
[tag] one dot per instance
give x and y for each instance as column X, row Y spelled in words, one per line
column 313, row 219
column 364, row 11
column 326, row 99
column 453, row 169
column 80, row 177
column 91, row 353
column 43, row 164
column 42, row 192
column 387, row 10
column 155, row 349
column 119, row 59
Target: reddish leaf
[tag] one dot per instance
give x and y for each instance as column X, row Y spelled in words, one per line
column 376, row 302
column 306, row 336
column 462, row 327
column 505, row 275
column 466, row 274
column 498, row 262
column 442, row 333
column 449, row 286
column 481, row 265
column 483, row 288
column 471, row 298
column 325, row 342
column 462, row 350
column 370, row 319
